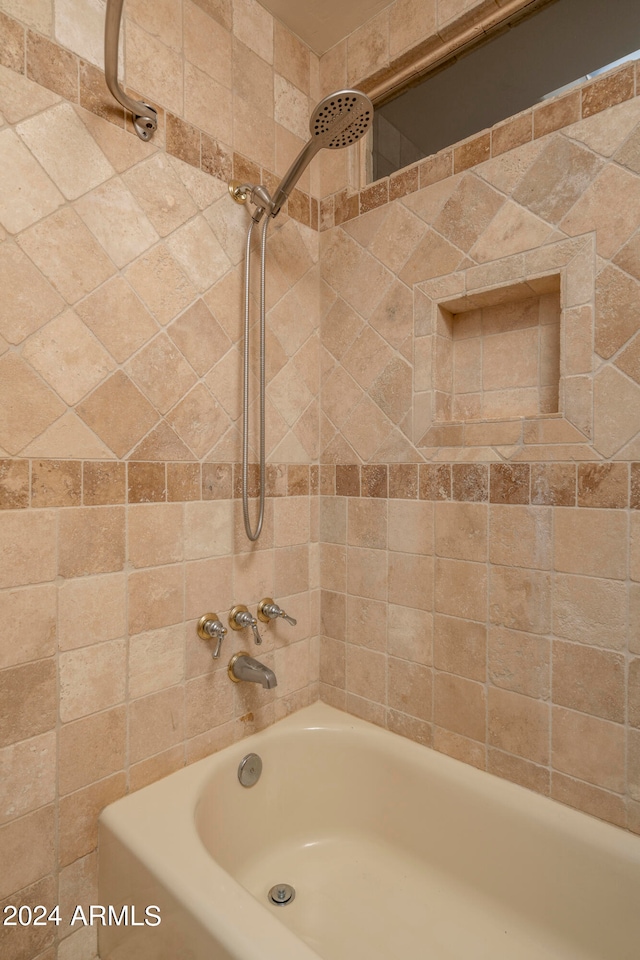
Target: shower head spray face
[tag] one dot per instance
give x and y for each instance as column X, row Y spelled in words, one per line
column 338, row 121
column 341, row 119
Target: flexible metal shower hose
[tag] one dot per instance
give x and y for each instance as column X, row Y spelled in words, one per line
column 245, row 412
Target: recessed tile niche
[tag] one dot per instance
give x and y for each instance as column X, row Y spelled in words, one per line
column 502, row 347
column 499, row 353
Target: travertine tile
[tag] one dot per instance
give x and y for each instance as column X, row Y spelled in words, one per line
column 588, row 680
column 161, row 284
column 460, row 706
column 596, row 209
column 117, row 221
column 56, row 483
column 68, row 357
column 71, row 435
column 410, row 688
column 91, row 540
column 27, row 547
column 56, row 245
column 591, row 542
column 511, row 231
column 607, row 91
column 366, row 673
column 92, row 748
column 92, row 678
column 30, row 301
column 156, row 598
column 147, row 482
column 199, row 253
column 617, row 299
column 29, row 701
column 367, row 523
column 404, row 15
column 520, row 599
column 80, row 27
column 155, row 534
column 519, row 725
column 27, row 848
column 291, row 58
column 209, row 703
column 79, row 813
column 599, row 803
column 61, row 143
column 460, row 647
column 208, row 103
column 614, row 392
column 161, row 765
column 161, row 194
column 461, row 589
column 156, row 660
column 20, row 644
column 556, row 179
column 198, row 420
column 27, row 194
column 161, row 372
column 202, row 34
column 32, row 939
column 51, row 66
column 461, row 531
column 28, row 776
column 591, row 611
column 117, row 318
column 588, row 748
column 14, row 484
column 520, row 662
column 91, row 610
column 254, row 26
column 253, row 135
column 556, row 113
column 153, row 66
column 521, row 536
column 135, row 414
column 96, row 98
column 163, row 19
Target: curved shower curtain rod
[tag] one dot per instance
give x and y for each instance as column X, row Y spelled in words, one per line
column 145, row 118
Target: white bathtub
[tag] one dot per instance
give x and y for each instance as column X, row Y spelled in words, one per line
column 395, row 852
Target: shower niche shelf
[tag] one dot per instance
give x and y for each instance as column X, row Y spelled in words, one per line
column 492, row 359
column 498, row 354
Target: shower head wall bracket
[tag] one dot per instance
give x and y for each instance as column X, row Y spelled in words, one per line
column 145, row 118
column 259, row 196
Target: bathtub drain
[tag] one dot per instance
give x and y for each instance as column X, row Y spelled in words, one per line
column 282, row 894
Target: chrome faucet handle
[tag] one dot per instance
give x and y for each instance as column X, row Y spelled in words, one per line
column 239, row 618
column 268, row 610
column 210, row 628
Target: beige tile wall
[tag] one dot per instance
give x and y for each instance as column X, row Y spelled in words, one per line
column 120, row 338
column 477, row 596
column 482, row 593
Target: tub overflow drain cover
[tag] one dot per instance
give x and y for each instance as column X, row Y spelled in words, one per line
column 249, row 770
column 281, row 894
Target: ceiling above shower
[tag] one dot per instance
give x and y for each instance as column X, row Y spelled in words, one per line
column 323, row 23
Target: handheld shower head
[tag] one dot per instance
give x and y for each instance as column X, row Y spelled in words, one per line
column 337, row 121
column 341, row 119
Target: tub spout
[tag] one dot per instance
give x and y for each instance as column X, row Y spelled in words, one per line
column 244, row 667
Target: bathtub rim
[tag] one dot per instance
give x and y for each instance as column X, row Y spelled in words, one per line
column 137, row 820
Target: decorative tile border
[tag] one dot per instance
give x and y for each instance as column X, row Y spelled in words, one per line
column 586, row 484
column 615, row 87
column 65, row 73
column 77, row 483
